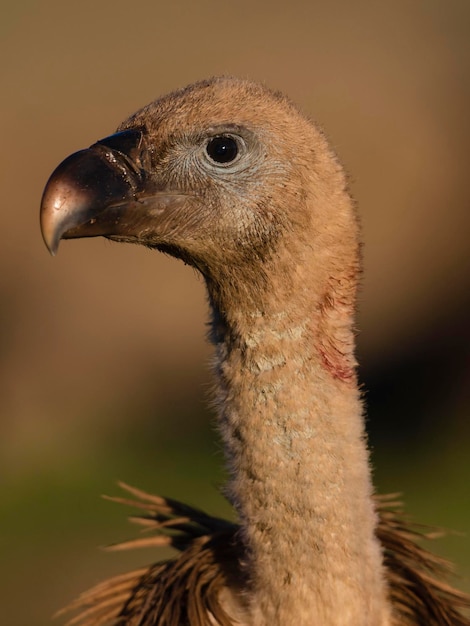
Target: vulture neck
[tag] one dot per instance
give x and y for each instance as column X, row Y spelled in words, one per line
column 290, row 415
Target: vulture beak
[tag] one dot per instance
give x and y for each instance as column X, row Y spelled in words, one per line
column 104, row 190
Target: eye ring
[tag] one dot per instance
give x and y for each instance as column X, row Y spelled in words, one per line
column 223, row 150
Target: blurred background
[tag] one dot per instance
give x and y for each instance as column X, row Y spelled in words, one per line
column 102, row 353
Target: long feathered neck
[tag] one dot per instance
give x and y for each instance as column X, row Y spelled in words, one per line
column 290, row 416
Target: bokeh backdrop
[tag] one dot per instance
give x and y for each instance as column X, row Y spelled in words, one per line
column 102, row 351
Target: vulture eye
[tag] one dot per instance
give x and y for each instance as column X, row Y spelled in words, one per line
column 222, row 149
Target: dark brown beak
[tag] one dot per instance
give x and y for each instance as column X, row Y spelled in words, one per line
column 103, row 190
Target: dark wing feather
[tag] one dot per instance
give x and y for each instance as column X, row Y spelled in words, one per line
column 186, row 590
column 416, row 577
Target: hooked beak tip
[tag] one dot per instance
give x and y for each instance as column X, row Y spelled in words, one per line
column 53, row 248
column 50, row 238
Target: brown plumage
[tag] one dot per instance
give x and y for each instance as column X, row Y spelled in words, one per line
column 187, row 589
column 234, row 180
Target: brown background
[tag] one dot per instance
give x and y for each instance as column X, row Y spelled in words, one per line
column 102, row 352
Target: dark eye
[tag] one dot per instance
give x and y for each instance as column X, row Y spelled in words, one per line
column 222, row 149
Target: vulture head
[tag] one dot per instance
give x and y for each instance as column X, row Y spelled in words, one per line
column 224, row 174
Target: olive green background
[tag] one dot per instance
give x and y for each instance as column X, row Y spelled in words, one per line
column 103, row 362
